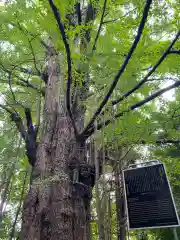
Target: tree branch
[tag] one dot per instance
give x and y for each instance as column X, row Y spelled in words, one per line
column 164, row 141
column 78, row 11
column 25, row 31
column 6, row 109
column 145, row 79
column 90, row 14
column 162, row 79
column 10, row 86
column 18, row 121
column 27, row 84
column 19, row 124
column 43, row 75
column 119, row 18
column 34, row 57
column 100, row 26
column 123, row 67
column 28, row 71
column 131, row 108
column 22, row 82
column 175, row 51
column 28, row 136
column 38, row 114
column 68, row 55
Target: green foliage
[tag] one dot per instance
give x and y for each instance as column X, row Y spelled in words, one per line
column 24, row 24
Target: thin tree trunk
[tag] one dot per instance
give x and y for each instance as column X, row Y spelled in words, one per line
column 105, row 212
column 99, row 213
column 120, row 211
column 123, row 160
column 109, row 215
column 98, row 200
column 54, row 209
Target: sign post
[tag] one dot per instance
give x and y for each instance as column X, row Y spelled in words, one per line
column 148, row 197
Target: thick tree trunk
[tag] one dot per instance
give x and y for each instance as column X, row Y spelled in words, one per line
column 54, row 208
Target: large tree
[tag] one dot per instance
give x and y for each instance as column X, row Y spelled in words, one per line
column 66, row 60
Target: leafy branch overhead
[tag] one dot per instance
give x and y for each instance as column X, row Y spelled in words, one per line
column 123, row 67
column 133, row 107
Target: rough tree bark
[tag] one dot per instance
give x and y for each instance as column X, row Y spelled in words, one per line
column 54, row 208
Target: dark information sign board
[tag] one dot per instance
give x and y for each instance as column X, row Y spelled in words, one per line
column 149, row 199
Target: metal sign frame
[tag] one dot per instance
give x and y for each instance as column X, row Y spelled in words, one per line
column 125, row 195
